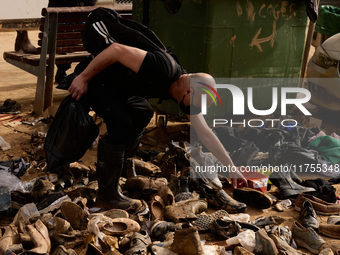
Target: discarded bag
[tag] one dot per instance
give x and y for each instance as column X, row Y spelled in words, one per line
column 70, row 135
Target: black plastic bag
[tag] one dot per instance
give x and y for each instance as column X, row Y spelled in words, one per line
column 71, row 133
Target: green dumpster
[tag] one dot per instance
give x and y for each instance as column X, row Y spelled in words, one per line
column 235, row 39
column 328, row 22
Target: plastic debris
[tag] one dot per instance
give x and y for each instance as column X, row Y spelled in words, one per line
column 246, row 239
column 4, row 145
column 14, row 183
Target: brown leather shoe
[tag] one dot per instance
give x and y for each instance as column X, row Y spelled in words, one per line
column 283, row 247
column 307, row 238
column 166, row 194
column 184, row 212
column 74, row 214
column 156, row 208
column 145, row 184
column 119, row 226
column 320, row 206
column 264, row 244
column 330, row 230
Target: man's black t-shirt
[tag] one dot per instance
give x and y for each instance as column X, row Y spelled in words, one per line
column 157, row 72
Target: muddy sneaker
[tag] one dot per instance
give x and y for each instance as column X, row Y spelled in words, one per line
column 224, row 229
column 160, row 228
column 10, row 107
column 307, row 238
column 308, row 216
column 139, row 243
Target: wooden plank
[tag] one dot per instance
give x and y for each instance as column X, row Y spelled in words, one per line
column 68, row 49
column 23, row 66
column 33, row 60
column 69, row 42
column 66, row 42
column 69, row 27
column 65, row 35
column 127, row 7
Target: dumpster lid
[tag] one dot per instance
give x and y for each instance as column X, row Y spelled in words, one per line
column 332, row 46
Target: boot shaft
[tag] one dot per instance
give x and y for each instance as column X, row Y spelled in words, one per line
column 17, row 45
column 26, row 44
column 187, row 242
column 110, row 160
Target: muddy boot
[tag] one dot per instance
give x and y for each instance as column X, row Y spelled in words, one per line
column 187, row 241
column 184, row 192
column 17, row 45
column 129, row 155
column 109, row 169
column 26, row 44
column 287, row 187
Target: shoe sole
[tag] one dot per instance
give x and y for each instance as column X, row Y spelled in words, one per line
column 301, row 243
column 253, row 197
column 297, row 208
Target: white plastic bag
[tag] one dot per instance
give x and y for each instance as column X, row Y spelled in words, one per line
column 14, row 183
column 246, row 239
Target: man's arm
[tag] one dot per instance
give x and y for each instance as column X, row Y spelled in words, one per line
column 213, row 144
column 129, row 57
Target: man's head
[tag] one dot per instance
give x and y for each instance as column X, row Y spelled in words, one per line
column 191, row 88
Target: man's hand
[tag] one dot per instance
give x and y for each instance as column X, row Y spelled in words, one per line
column 78, row 87
column 237, row 177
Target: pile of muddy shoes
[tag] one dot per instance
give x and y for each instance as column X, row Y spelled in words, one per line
column 180, row 211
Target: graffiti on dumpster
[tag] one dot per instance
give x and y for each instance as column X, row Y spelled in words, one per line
column 284, row 10
column 257, row 41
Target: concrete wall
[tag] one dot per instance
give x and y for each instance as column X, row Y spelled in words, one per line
column 21, row 9
column 27, row 9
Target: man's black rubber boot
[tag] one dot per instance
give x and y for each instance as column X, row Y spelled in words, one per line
column 287, row 187
column 129, row 154
column 110, row 159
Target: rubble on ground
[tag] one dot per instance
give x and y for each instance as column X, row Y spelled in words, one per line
column 185, row 211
